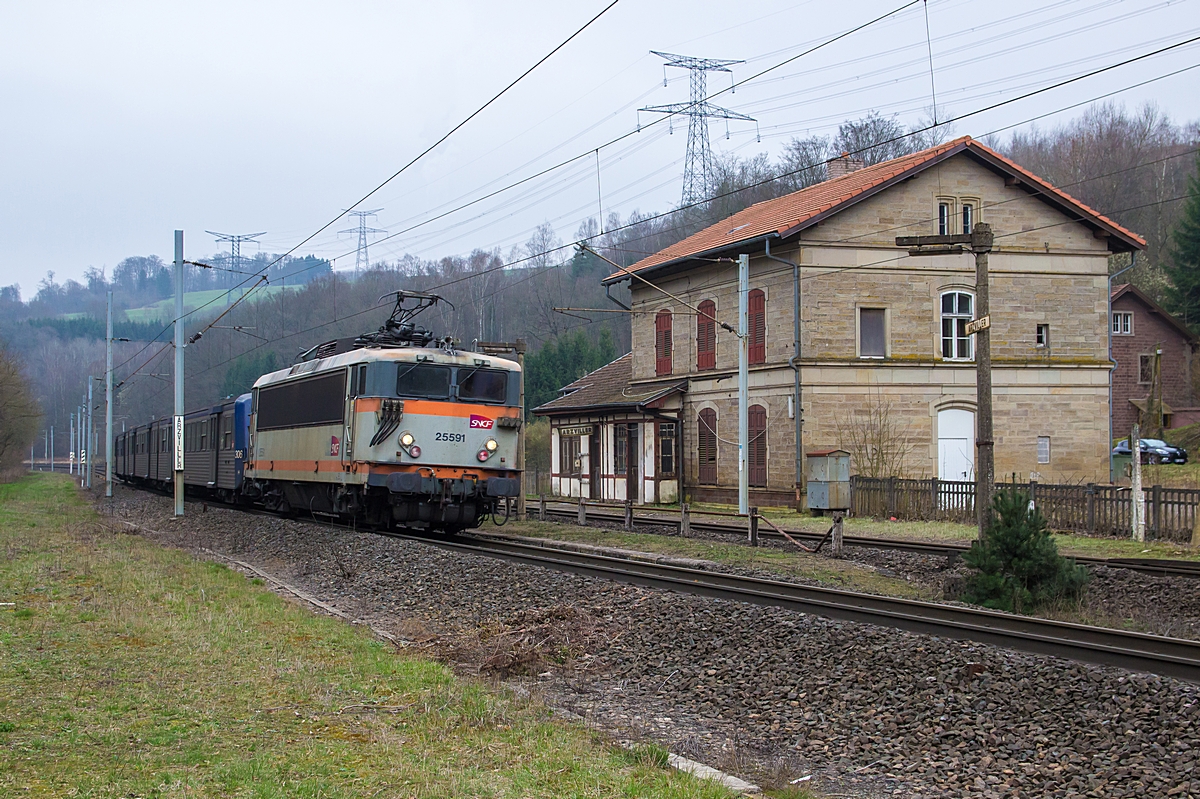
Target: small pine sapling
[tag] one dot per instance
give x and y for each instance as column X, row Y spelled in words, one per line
column 1017, row 565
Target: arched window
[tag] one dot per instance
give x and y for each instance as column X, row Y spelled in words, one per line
column 662, row 343
column 757, row 456
column 758, row 327
column 706, row 438
column 706, row 335
column 957, row 309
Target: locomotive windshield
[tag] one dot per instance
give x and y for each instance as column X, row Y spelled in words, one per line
column 483, row 385
column 423, row 380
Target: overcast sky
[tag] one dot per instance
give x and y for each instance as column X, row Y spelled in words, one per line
column 124, row 121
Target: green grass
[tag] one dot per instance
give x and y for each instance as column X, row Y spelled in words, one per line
column 165, row 309
column 127, row 669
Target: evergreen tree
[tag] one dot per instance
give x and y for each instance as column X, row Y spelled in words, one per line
column 1017, row 564
column 1183, row 293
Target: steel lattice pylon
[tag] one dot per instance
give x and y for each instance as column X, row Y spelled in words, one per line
column 360, row 255
column 698, row 167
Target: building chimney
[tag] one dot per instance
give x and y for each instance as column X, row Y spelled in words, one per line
column 842, row 165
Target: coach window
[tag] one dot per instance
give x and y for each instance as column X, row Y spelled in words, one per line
column 483, row 385
column 423, row 380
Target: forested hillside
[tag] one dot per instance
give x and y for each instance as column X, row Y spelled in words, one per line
column 1132, row 165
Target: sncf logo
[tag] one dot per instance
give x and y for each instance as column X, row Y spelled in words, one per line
column 481, row 422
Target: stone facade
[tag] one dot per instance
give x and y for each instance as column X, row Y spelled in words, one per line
column 1045, row 270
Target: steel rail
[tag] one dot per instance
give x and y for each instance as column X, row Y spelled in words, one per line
column 1135, row 651
column 1177, row 568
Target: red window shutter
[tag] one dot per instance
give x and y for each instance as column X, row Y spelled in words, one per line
column 706, row 438
column 757, row 456
column 758, row 327
column 662, row 343
column 706, row 335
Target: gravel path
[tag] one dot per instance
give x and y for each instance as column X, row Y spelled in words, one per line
column 764, row 693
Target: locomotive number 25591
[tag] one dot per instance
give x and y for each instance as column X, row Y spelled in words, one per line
column 455, row 437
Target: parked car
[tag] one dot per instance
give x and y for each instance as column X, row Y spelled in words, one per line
column 1154, row 450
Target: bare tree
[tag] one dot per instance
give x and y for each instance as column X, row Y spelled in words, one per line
column 19, row 414
column 876, row 437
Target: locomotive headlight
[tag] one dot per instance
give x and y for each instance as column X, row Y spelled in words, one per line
column 414, row 451
column 483, row 455
column 491, row 445
column 406, row 439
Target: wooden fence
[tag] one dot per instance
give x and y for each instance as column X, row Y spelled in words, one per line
column 1091, row 509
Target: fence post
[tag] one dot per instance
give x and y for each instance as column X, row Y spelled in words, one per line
column 1033, row 491
column 754, row 527
column 891, row 497
column 853, row 491
column 629, row 514
column 685, row 520
column 1091, row 507
column 542, row 508
column 836, row 541
column 933, row 497
column 1156, row 498
column 582, row 512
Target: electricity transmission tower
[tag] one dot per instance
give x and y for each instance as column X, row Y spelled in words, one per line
column 698, row 169
column 235, row 245
column 360, row 255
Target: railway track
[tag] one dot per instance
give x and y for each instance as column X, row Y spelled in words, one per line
column 1171, row 657
column 566, row 512
column 1130, row 650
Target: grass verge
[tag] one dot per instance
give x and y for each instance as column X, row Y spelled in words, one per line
column 133, row 670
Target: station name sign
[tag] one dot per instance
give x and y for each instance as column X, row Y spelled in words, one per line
column 578, row 430
column 979, row 324
column 179, row 443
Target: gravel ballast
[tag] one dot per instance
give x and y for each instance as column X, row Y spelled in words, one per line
column 768, row 694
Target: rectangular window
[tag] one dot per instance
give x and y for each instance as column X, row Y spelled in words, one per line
column 872, row 334
column 968, row 217
column 1122, row 323
column 570, row 462
column 423, row 380
column 758, row 326
column 943, row 219
column 309, row 402
column 1043, row 449
column 706, row 335
column 1145, row 368
column 483, row 385
column 1043, row 335
column 666, row 449
column 621, row 449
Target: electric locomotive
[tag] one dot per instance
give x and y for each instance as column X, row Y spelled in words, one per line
column 393, row 428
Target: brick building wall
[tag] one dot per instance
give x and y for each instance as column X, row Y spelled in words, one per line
column 1150, row 330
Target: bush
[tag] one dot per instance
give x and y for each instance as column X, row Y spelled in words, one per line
column 1017, row 564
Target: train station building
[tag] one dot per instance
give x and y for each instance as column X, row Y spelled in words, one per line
column 886, row 368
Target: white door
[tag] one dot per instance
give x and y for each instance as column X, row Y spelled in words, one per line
column 956, row 445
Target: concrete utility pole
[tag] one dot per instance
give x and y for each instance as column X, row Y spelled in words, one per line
column 90, row 438
column 108, row 404
column 980, row 241
column 51, row 447
column 1137, row 505
column 177, row 437
column 71, row 446
column 743, row 383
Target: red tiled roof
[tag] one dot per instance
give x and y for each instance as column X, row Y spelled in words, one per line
column 785, row 215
